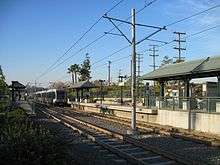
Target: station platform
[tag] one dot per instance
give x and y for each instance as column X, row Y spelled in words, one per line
column 141, row 110
column 200, row 121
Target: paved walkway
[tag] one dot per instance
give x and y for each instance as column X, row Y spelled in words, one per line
column 27, row 106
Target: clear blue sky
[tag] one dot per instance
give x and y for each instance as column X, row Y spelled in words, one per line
column 35, row 33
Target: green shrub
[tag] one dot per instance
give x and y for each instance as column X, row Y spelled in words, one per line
column 25, row 142
column 17, row 115
column 2, row 118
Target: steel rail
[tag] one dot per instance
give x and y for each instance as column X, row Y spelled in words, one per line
column 129, row 140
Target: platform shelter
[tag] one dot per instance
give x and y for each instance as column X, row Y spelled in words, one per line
column 16, row 89
column 82, row 90
column 186, row 71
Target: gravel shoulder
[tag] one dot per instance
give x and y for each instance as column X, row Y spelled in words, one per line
column 191, row 150
column 81, row 150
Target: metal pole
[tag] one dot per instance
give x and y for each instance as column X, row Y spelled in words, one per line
column 101, row 90
column 101, row 93
column 109, row 72
column 179, row 46
column 133, row 83
column 121, row 95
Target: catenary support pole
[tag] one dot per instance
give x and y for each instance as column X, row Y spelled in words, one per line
column 133, row 83
column 109, row 72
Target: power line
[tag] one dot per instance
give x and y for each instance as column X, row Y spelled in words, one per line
column 204, row 30
column 77, row 41
column 108, row 32
column 94, row 41
column 48, row 70
column 113, row 62
column 119, row 59
column 186, row 18
column 188, row 36
column 123, row 48
column 98, row 38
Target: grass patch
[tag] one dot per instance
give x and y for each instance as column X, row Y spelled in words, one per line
column 25, row 142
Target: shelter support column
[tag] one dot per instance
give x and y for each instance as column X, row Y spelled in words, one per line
column 81, row 98
column 161, row 89
column 186, row 99
column 218, row 86
column 188, row 103
column 87, row 95
column 187, row 89
column 77, row 95
column 161, row 98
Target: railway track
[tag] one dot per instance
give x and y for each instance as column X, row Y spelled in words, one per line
column 146, row 127
column 125, row 147
column 187, row 149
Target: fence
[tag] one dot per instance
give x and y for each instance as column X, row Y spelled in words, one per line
column 198, row 104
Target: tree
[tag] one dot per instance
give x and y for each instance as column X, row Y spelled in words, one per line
column 74, row 69
column 2, row 77
column 58, row 85
column 3, row 85
column 4, row 91
column 166, row 60
column 85, row 69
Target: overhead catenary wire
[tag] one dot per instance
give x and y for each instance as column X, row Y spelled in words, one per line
column 123, row 48
column 113, row 62
column 94, row 41
column 125, row 57
column 196, row 14
column 181, row 20
column 78, row 40
column 101, row 36
column 188, row 36
column 194, row 34
column 204, row 30
column 184, row 19
column 167, row 25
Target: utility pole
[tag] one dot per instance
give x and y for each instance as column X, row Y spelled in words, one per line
column 133, row 44
column 153, row 54
column 139, row 60
column 179, row 40
column 109, row 72
column 179, row 58
column 101, row 90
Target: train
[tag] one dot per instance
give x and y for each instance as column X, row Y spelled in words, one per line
column 53, row 97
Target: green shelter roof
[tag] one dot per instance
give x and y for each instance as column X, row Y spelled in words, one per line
column 82, row 85
column 192, row 69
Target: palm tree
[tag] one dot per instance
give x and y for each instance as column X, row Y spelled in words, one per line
column 73, row 69
column 70, row 70
column 76, row 70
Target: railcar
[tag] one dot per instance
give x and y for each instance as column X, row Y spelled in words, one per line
column 51, row 97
